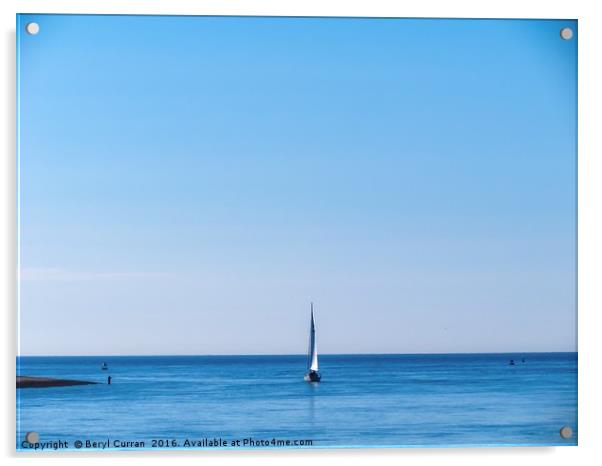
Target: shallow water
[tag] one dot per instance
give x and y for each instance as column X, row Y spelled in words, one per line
column 363, row 400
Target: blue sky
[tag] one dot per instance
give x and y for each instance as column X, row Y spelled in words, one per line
column 190, row 184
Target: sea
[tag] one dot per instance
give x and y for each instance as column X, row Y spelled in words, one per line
column 259, row 402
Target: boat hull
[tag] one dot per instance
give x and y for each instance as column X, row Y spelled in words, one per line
column 312, row 376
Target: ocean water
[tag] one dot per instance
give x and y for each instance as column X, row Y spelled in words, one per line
column 262, row 401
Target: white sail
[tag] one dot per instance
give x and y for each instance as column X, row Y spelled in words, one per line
column 312, row 357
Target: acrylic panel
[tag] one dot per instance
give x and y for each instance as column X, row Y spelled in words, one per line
column 291, row 232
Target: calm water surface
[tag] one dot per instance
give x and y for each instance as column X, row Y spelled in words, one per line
column 363, row 400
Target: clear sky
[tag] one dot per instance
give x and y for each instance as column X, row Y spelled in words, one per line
column 190, row 184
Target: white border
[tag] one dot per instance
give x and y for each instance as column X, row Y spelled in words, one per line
column 590, row 220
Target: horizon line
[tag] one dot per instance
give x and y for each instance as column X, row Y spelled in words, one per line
column 290, row 354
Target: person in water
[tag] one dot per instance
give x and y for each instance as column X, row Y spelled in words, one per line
column 109, row 380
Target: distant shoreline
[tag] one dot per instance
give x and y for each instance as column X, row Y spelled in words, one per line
column 25, row 381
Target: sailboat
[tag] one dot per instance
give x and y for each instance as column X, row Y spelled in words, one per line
column 312, row 374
